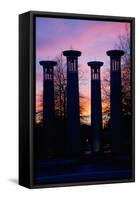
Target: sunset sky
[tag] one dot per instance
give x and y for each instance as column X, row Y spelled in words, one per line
column 92, row 38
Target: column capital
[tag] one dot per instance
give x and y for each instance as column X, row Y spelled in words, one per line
column 95, row 64
column 115, row 53
column 72, row 53
column 48, row 63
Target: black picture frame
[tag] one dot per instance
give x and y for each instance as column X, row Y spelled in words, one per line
column 27, row 94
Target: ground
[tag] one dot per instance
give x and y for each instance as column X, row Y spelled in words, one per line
column 83, row 169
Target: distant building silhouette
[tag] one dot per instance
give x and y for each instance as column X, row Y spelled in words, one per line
column 73, row 112
column 115, row 98
column 48, row 106
column 96, row 106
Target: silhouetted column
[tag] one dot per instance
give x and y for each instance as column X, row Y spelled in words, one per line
column 48, row 106
column 115, row 98
column 73, row 112
column 96, row 106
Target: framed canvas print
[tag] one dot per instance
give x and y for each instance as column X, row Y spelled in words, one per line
column 76, row 99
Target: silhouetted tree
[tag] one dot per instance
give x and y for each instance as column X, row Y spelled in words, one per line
column 60, row 86
column 122, row 43
column 105, row 87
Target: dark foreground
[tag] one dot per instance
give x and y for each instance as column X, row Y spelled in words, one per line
column 84, row 169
